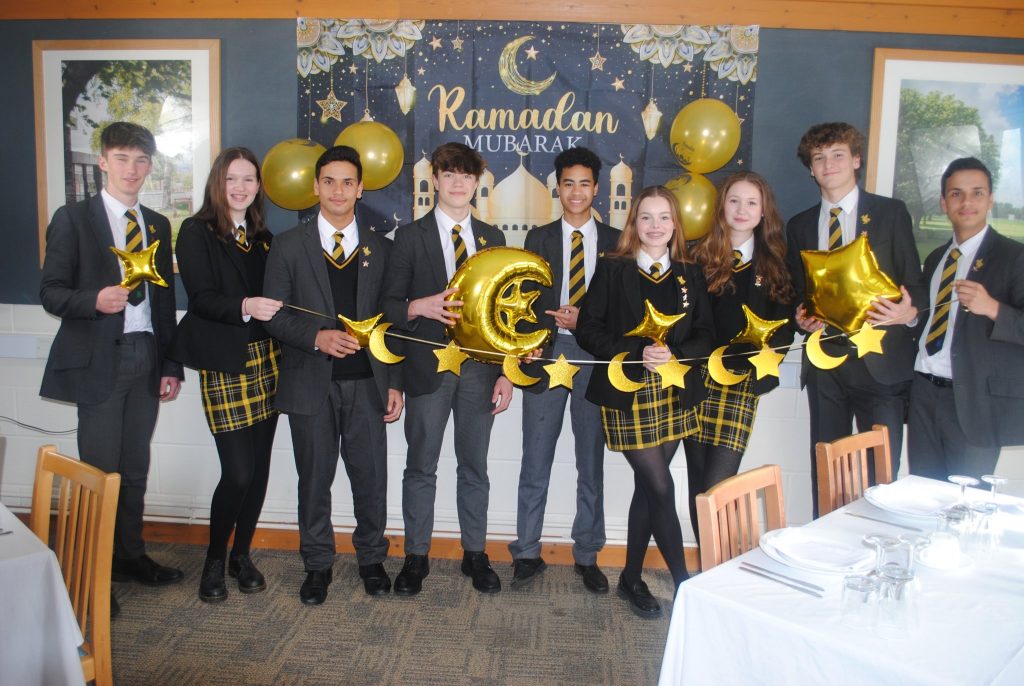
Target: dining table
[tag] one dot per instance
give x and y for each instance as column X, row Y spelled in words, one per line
column 734, row 624
column 39, row 634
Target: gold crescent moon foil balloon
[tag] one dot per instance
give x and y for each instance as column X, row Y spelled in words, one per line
column 843, row 283
column 140, row 266
column 490, row 286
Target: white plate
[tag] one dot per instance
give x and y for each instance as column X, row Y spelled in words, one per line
column 912, row 501
column 962, row 562
column 812, row 551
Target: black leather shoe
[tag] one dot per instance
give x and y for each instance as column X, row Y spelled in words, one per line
column 525, row 570
column 641, row 602
column 593, row 578
column 477, row 566
column 211, row 584
column 249, row 578
column 375, row 579
column 314, row 588
column 115, row 607
column 145, row 570
column 410, row 580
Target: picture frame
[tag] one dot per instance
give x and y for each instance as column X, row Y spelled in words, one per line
column 170, row 86
column 930, row 107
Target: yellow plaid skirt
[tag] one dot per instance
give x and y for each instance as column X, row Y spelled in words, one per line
column 727, row 414
column 235, row 401
column 655, row 418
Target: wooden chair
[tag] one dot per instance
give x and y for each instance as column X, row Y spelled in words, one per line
column 729, row 515
column 83, row 541
column 842, row 467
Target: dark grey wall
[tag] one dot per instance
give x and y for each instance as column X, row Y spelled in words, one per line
column 804, row 77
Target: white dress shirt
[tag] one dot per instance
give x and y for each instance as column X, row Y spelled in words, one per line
column 444, row 230
column 349, row 235
column 847, row 218
column 589, row 231
column 136, row 317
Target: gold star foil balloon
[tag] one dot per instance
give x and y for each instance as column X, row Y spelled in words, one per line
column 490, row 286
column 655, row 325
column 842, row 284
column 140, row 266
column 758, row 331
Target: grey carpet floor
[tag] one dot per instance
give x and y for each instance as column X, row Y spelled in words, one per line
column 553, row 632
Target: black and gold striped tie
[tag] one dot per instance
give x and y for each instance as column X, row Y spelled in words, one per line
column 656, row 270
column 577, row 270
column 737, row 259
column 133, row 243
column 240, row 239
column 338, row 254
column 459, row 244
column 943, row 301
column 835, row 229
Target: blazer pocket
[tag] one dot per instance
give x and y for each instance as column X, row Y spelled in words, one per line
column 68, row 354
column 1006, row 387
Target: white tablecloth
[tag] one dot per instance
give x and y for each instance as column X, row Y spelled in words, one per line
column 39, row 635
column 731, row 627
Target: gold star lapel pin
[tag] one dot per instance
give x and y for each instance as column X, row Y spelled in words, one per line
column 655, row 325
column 482, row 241
column 865, row 218
column 366, row 251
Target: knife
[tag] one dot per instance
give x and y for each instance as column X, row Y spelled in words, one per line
column 805, row 584
column 780, row 581
column 885, row 521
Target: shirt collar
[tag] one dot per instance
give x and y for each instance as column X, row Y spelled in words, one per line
column 589, row 228
column 971, row 245
column 327, row 230
column 644, row 261
column 446, row 223
column 747, row 249
column 848, row 202
column 118, row 208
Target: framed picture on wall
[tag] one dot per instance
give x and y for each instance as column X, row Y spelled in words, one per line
column 931, row 107
column 171, row 87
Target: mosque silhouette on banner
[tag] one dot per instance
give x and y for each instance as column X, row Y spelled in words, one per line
column 521, row 201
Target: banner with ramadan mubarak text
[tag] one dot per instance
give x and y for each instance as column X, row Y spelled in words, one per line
column 658, row 103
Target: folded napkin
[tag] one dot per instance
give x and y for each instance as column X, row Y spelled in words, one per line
column 912, row 498
column 817, row 550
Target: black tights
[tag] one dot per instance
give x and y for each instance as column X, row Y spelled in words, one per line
column 706, row 465
column 653, row 510
column 244, row 472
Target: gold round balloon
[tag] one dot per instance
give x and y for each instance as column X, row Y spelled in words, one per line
column 379, row 149
column 490, row 288
column 705, row 135
column 696, row 196
column 289, row 171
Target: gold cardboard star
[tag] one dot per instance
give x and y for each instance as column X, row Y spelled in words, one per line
column 843, row 284
column 139, row 266
column 360, row 330
column 655, row 325
column 450, row 359
column 457, row 43
column 757, row 331
column 618, row 85
column 531, row 53
column 435, row 43
column 766, row 362
column 331, row 106
column 597, row 61
column 561, row 373
column 868, row 340
column 672, row 373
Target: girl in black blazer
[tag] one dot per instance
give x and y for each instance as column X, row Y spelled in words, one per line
column 221, row 253
column 649, row 264
column 744, row 261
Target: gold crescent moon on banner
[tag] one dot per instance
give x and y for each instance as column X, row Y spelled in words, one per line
column 818, row 357
column 513, row 371
column 509, row 71
column 619, row 378
column 490, row 285
column 718, row 371
column 379, row 348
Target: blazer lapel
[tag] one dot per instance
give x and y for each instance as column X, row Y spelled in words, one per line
column 976, row 272
column 432, row 249
column 631, row 285
column 235, row 256
column 317, row 264
column 553, row 248
column 865, row 206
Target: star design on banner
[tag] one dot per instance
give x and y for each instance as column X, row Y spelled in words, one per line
column 688, row 67
column 672, row 373
column 421, row 71
column 450, row 359
column 655, row 325
column 618, row 84
column 353, row 69
column 360, row 330
column 766, row 362
column 531, row 53
column 868, row 340
column 597, row 61
column 457, row 43
column 435, row 43
column 331, row 106
column 561, row 373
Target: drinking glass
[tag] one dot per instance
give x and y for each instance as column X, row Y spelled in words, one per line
column 985, row 532
column 995, row 482
column 897, row 604
column 859, row 607
column 913, row 544
column 883, row 545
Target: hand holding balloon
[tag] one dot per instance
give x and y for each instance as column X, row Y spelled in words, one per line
column 436, row 307
column 887, row 312
column 112, row 299
column 806, row 322
column 565, row 316
column 656, row 355
column 262, row 309
column 336, row 343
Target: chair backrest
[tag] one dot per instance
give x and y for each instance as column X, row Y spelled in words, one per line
column 83, row 540
column 729, row 514
column 842, row 467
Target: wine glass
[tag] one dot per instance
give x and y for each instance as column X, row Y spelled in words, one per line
column 995, row 482
column 963, row 481
column 914, row 543
column 881, row 543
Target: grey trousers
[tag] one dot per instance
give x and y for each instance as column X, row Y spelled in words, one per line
column 468, row 397
column 351, row 423
column 114, row 436
column 542, row 424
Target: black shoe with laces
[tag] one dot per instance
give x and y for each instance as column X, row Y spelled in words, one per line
column 211, row 584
